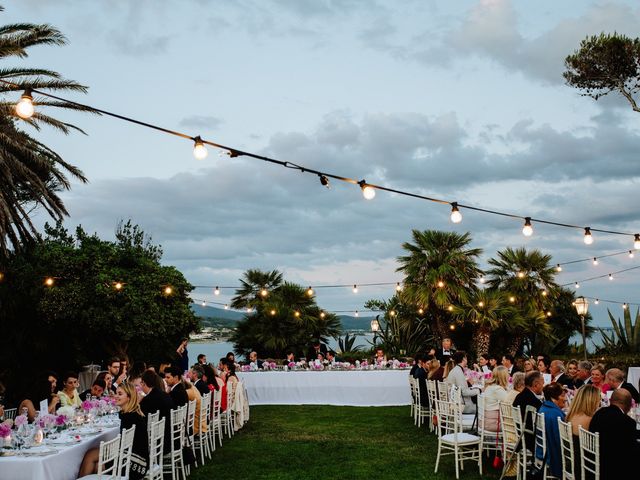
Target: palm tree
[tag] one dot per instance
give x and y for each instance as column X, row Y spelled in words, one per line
column 440, row 271
column 529, row 279
column 488, row 310
column 31, row 173
column 256, row 287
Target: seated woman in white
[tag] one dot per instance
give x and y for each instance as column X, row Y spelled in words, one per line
column 456, row 377
column 495, row 391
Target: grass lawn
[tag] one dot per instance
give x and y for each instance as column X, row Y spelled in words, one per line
column 324, row 442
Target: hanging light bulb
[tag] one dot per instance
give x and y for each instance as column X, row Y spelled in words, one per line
column 595, row 261
column 25, row 108
column 456, row 216
column 273, row 312
column 450, row 308
column 452, row 326
column 521, row 275
column 588, row 238
column 440, row 284
column 249, row 309
column 216, row 291
column 636, row 241
column 226, row 307
column 630, row 254
column 527, row 230
column 512, row 299
column 264, row 292
column 624, row 306
column 558, row 268
column 324, row 181
column 548, row 314
column 392, row 313
column 597, row 301
column 420, row 311
column 481, row 304
column 296, row 314
column 199, row 150
column 398, row 287
column 118, row 285
column 204, row 304
column 355, row 289
column 610, row 276
column 577, row 285
column 482, row 279
column 322, row 314
column 544, row 293
column 310, row 292
column 168, row 290
column 357, row 314
column 368, row 191
column 49, row 281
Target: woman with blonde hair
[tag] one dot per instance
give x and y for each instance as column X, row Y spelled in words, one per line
column 434, row 370
column 450, row 365
column 583, row 406
column 495, row 391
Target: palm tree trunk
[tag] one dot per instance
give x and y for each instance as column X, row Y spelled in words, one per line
column 514, row 346
column 483, row 341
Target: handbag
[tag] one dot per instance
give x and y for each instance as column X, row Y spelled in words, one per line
column 537, row 472
column 187, row 456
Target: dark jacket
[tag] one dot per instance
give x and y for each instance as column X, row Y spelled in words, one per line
column 179, row 395
column 157, row 400
column 444, row 357
column 524, row 398
column 201, row 386
column 140, row 450
column 565, row 380
column 618, row 445
column 632, row 390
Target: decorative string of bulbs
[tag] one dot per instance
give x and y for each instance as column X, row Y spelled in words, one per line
column 25, row 109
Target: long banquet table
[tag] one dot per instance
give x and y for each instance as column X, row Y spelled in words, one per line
column 63, row 465
column 351, row 388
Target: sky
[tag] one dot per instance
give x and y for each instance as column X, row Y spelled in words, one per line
column 462, row 101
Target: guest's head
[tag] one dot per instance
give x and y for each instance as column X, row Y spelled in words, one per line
column 291, row 357
column 331, row 356
column 586, row 402
column 127, row 398
column 518, row 381
column 150, row 380
column 500, row 377
column 584, row 370
column 556, row 368
column 544, row 364
column 69, row 381
column 202, row 359
column 554, row 392
column 493, row 362
column 597, row 375
column 379, row 352
column 572, row 368
column 113, row 366
column 231, row 357
column 253, row 356
column 527, row 366
column 446, row 343
column 483, row 360
column 197, row 372
column 614, row 377
column 460, row 358
column 450, row 365
column 433, row 366
column 52, row 377
column 98, row 387
column 172, row 375
column 534, row 382
column 621, row 398
column 163, row 366
column 431, row 352
column 106, row 377
column 507, row 360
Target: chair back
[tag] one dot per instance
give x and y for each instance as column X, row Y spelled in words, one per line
column 589, row 454
column 126, row 448
column 10, row 413
column 541, row 439
column 517, row 420
column 449, row 418
column 191, row 419
column 108, row 457
column 566, row 450
column 455, row 394
column 508, row 427
column 217, row 404
column 205, row 412
column 156, row 445
column 443, row 391
column 177, row 428
column 151, row 419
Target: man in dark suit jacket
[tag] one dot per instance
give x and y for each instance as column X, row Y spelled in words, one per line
column 618, row 442
column 177, row 392
column 529, row 396
column 556, row 369
column 197, row 373
column 316, row 348
column 508, row 362
column 157, row 400
column 445, row 352
column 615, row 378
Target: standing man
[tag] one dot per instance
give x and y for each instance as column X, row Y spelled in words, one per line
column 316, row 348
column 445, row 352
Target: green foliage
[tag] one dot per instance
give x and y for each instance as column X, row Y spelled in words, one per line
column 345, row 344
column 286, row 318
column 603, row 64
column 625, row 338
column 83, row 317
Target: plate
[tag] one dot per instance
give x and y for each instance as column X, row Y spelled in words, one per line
column 62, row 441
column 40, row 451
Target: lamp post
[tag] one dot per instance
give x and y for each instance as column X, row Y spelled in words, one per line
column 582, row 306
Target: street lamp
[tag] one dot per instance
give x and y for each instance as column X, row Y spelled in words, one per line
column 582, row 306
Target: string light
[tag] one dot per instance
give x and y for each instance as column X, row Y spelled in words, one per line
column 512, row 299
column 450, row 308
column 392, row 313
column 482, row 279
column 481, row 304
column 420, row 311
column 544, row 293
column 368, row 192
column 216, row 291
column 440, row 284
column 49, row 281
column 527, row 230
column 355, row 289
column 624, row 306
column 310, row 292
column 597, row 302
column 322, row 314
column 456, row 216
column 168, row 290
column 630, row 254
column 249, row 309
column 118, row 285
column 398, row 287
column 595, row 261
column 577, row 285
column 520, row 274
column 264, row 292
column 272, row 312
column 558, row 268
column 610, row 277
column 452, row 326
column 324, row 181
column 636, row 241
column 296, row 314
column 588, row 238
column 199, row 150
column 226, row 307
column 25, row 108
column 357, row 314
column 548, row 314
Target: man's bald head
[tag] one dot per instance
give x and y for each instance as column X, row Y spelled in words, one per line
column 621, row 398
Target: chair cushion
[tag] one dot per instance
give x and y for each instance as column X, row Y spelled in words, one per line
column 460, row 438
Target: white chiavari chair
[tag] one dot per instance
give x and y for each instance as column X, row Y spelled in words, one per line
column 589, row 454
column 566, row 450
column 173, row 461
column 107, row 460
column 201, row 441
column 156, row 445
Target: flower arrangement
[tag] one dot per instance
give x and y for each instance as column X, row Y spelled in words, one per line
column 246, row 368
column 46, row 420
column 268, row 365
column 5, row 430
column 291, row 365
column 21, row 420
column 68, row 412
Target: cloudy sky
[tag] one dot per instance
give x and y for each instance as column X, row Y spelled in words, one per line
column 463, row 101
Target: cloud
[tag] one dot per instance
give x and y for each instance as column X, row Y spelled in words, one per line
column 201, row 121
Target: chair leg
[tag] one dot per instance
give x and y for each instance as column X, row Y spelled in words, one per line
column 455, row 454
column 438, row 457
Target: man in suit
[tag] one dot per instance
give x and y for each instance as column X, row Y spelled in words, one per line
column 253, row 358
column 615, row 378
column 316, row 348
column 445, row 352
column 556, row 369
column 157, row 400
column 173, row 379
column 508, row 363
column 618, row 444
column 197, row 372
column 583, row 374
column 534, row 383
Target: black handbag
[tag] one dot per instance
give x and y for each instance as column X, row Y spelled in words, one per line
column 537, row 472
column 187, row 456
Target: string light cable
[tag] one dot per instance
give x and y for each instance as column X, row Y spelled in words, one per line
column 606, row 275
column 368, row 189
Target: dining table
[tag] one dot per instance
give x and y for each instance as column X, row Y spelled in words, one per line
column 53, row 459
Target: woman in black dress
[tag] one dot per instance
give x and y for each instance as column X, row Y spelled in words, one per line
column 130, row 414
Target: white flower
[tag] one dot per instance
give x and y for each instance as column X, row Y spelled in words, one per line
column 67, row 411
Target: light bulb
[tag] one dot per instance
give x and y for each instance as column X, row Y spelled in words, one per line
column 264, row 292
column 527, row 230
column 204, row 304
column 310, row 292
column 610, row 276
column 520, row 274
column 273, row 312
column 440, row 284
column 456, row 216
column 199, row 150
column 118, row 286
column 216, row 291
column 481, row 304
column 450, row 308
column 595, row 261
column 597, row 301
column 636, row 241
column 588, row 238
column 577, row 285
column 398, row 287
column 368, row 191
column 355, row 289
column 452, row 327
column 357, row 314
column 630, row 254
column 512, row 299
column 558, row 268
column 168, row 290
column 249, row 309
column 482, row 280
column 25, row 108
column 548, row 314
column 296, row 313
column 420, row 311
column 392, row 313
column 49, row 282
column 624, row 306
column 226, row 307
column 321, row 314
column 544, row 293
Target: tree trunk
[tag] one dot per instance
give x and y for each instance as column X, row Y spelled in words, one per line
column 482, row 341
column 514, row 346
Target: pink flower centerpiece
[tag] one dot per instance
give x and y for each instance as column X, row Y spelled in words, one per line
column 21, row 420
column 5, row 430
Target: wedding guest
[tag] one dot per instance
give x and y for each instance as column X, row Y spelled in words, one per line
column 554, row 402
column 527, row 366
column 136, row 370
column 331, row 356
column 483, row 364
column 615, row 379
column 583, row 407
column 456, row 377
column 556, row 369
column 493, row 362
column 420, row 374
column 97, row 389
column 572, row 370
column 380, row 357
column 130, row 415
column 69, row 396
column 534, row 383
column 212, row 378
column 253, row 358
column 597, row 378
column 434, row 370
column 290, row 358
column 107, row 378
column 583, row 375
column 450, row 365
column 40, row 390
column 202, row 359
column 316, row 348
column 194, row 394
column 197, row 372
column 618, row 442
column 445, row 352
column 173, row 379
column 113, row 367
column 517, row 387
column 495, row 391
column 544, row 363
column 230, row 381
column 230, row 356
column 157, row 400
column 508, row 363
column 183, row 355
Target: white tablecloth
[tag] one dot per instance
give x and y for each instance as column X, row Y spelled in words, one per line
column 354, row 388
column 633, row 377
column 63, row 465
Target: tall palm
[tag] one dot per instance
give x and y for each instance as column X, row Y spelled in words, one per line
column 31, row 174
column 440, row 271
column 254, row 284
column 529, row 278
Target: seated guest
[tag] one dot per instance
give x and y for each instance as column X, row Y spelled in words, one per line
column 597, row 378
column 508, row 363
column 197, row 372
column 202, row 359
column 450, row 365
column 445, row 352
column 316, row 348
column 493, row 362
column 136, row 370
column 434, row 370
column 534, row 384
column 379, row 356
column 290, row 357
column 97, row 389
column 527, row 366
column 194, row 394
column 583, row 407
column 544, row 364
column 456, row 377
column 69, row 396
column 212, row 378
column 414, row 365
column 230, row 380
column 483, row 364
column 517, row 387
column 331, row 356
column 420, row 374
column 618, row 444
column 173, row 379
column 495, row 391
column 40, row 390
column 231, row 357
column 106, row 377
column 583, row 375
column 130, row 415
column 556, row 369
column 554, row 402
column 253, row 358
column 157, row 400
column 572, row 370
column 615, row 379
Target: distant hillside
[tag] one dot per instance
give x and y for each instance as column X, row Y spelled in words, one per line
column 355, row 323
column 217, row 313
